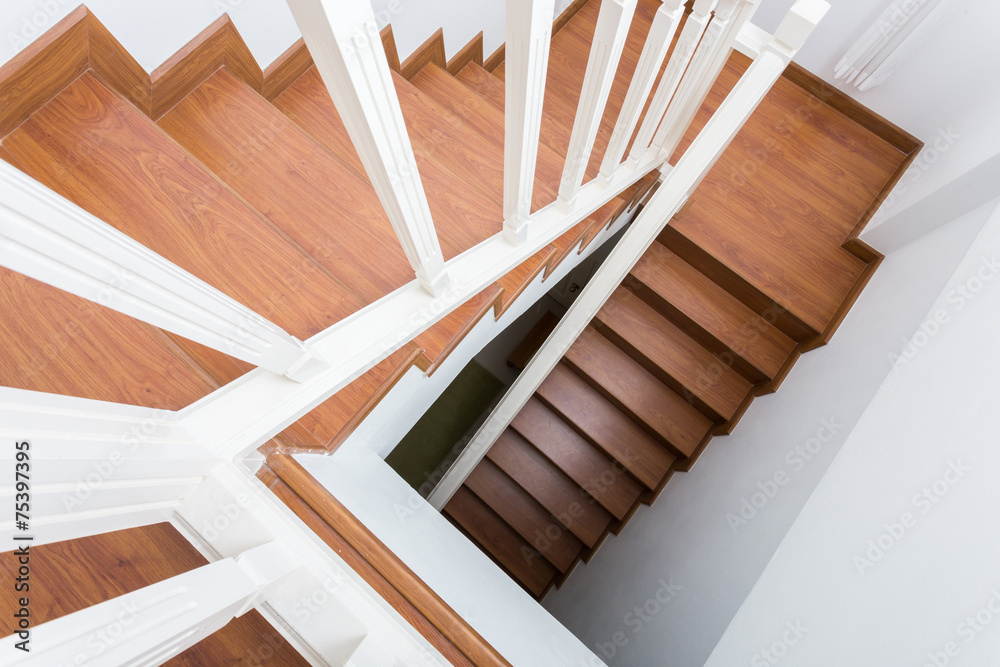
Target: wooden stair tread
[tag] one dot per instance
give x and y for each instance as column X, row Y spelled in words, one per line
column 440, row 338
column 463, row 214
column 632, row 388
column 523, row 513
column 488, row 86
column 479, row 114
column 501, row 541
column 690, row 295
column 308, row 194
column 614, row 489
column 553, row 490
column 97, row 150
column 672, row 356
column 62, row 344
column 581, row 406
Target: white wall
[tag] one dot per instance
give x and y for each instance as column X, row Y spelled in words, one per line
column 153, row 30
column 692, row 537
column 894, row 559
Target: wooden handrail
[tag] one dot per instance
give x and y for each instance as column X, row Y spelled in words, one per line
column 417, row 593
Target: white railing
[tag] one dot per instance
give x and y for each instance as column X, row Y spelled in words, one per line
column 677, row 187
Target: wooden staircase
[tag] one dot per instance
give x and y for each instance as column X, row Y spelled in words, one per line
column 761, row 266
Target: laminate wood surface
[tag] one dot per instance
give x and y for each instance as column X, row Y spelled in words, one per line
column 117, row 67
column 633, row 389
column 286, row 69
column 485, row 84
column 431, row 52
column 550, row 487
column 581, row 406
column 471, row 53
column 75, row 574
column 502, row 542
column 523, row 513
column 672, row 356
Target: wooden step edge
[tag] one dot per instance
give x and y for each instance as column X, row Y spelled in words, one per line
column 218, row 45
column 492, row 303
column 286, row 69
column 431, row 51
column 685, row 464
column 470, row 53
column 497, row 57
column 356, row 536
column 844, row 308
column 543, row 266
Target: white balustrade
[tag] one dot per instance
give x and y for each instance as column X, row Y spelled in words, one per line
column 50, row 239
column 344, row 41
column 529, row 30
column 610, row 34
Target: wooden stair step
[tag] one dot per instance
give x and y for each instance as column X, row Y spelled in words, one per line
column 710, row 315
column 464, row 214
column 672, row 356
column 488, row 86
column 488, row 122
column 553, row 490
column 311, row 196
column 500, row 541
column 615, row 490
column 633, row 389
column 540, row 529
column 606, row 426
column 97, row 150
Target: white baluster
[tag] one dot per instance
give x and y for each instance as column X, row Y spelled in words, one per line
column 91, row 467
column 610, row 34
column 529, row 30
column 343, row 38
column 153, row 624
column 707, row 63
column 687, row 41
column 678, row 186
column 665, row 22
column 50, row 239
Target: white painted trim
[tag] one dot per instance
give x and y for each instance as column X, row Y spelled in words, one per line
column 678, row 185
column 50, row 239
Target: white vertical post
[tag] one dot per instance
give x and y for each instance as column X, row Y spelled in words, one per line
column 91, row 467
column 153, row 624
column 529, row 30
column 665, row 22
column 50, row 239
column 707, row 63
column 687, row 41
column 610, row 34
column 678, row 185
column 344, row 40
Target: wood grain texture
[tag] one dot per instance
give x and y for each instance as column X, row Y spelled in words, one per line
column 389, row 46
column 632, row 389
column 99, row 152
column 548, row 485
column 35, row 75
column 426, row 602
column 116, row 66
column 513, row 504
column 286, row 69
column 677, row 360
column 430, row 52
column 77, row 574
column 443, row 336
column 613, row 488
column 581, row 406
column 303, row 190
column 524, row 564
column 470, row 53
column 517, row 279
column 485, row 84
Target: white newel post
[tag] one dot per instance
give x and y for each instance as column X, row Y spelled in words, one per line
column 678, row 185
column 610, row 34
column 50, row 239
column 344, row 40
column 529, row 30
column 665, row 22
column 89, row 467
column 153, row 624
column 687, row 41
column 707, row 62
